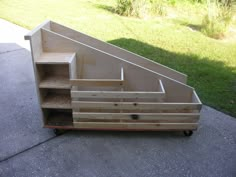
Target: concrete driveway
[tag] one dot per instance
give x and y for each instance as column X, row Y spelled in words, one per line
column 28, row 150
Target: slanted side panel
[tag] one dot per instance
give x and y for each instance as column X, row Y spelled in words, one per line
column 119, row 52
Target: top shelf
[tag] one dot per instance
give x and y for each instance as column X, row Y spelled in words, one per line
column 55, row 58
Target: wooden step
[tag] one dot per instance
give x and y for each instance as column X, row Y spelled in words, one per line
column 55, row 58
column 57, row 101
column 53, row 81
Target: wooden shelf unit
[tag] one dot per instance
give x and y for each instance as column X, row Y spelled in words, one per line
column 54, row 71
column 84, row 83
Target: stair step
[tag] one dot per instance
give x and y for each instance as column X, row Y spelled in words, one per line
column 57, row 101
column 55, row 58
column 59, row 82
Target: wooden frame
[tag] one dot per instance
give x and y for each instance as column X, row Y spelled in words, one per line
column 84, row 83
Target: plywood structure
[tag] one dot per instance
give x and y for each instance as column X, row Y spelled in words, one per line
column 85, row 83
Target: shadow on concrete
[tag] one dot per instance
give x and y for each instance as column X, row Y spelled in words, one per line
column 20, row 117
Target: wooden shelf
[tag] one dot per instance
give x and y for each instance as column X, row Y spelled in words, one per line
column 58, row 82
column 57, row 101
column 55, row 58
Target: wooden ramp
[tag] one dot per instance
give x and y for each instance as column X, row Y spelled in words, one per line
column 84, row 83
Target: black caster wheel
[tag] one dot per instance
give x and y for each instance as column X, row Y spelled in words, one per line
column 188, row 132
column 58, row 132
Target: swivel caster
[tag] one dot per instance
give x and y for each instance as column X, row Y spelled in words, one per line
column 188, row 132
column 58, row 132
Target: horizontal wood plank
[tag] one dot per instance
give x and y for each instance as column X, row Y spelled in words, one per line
column 158, row 117
column 135, row 126
column 116, row 94
column 135, row 106
column 96, row 82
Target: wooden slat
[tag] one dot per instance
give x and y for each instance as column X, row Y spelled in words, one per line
column 122, row 74
column 135, row 126
column 45, row 24
column 161, row 86
column 96, row 82
column 116, row 94
column 158, row 117
column 135, row 105
column 116, row 51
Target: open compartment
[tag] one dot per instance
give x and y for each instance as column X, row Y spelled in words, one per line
column 53, row 76
column 58, row 117
column 56, row 98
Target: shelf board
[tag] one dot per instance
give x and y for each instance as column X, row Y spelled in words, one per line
column 57, row 101
column 58, row 82
column 55, row 58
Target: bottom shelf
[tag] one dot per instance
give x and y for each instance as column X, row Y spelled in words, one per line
column 55, row 117
column 62, row 119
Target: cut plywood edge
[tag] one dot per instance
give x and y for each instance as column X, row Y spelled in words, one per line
column 45, row 24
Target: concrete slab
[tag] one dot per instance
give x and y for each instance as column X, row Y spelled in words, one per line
column 20, row 126
column 211, row 151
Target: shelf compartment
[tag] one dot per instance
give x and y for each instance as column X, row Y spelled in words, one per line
column 59, row 82
column 55, row 58
column 56, row 99
column 158, row 94
column 58, row 117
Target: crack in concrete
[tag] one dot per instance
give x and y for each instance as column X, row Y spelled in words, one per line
column 27, row 149
column 8, row 51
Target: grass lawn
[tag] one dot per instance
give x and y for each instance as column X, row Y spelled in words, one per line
column 173, row 41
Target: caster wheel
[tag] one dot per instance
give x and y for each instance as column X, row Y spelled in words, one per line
column 58, row 132
column 188, row 133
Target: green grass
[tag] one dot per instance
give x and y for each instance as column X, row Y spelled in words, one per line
column 210, row 64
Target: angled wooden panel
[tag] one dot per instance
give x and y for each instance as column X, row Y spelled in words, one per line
column 119, row 52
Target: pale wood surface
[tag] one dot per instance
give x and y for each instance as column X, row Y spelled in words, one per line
column 55, row 58
column 143, row 126
column 107, row 66
column 116, row 94
column 93, row 63
column 53, row 81
column 136, row 117
column 136, row 105
column 116, row 51
column 59, row 101
column 96, row 82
